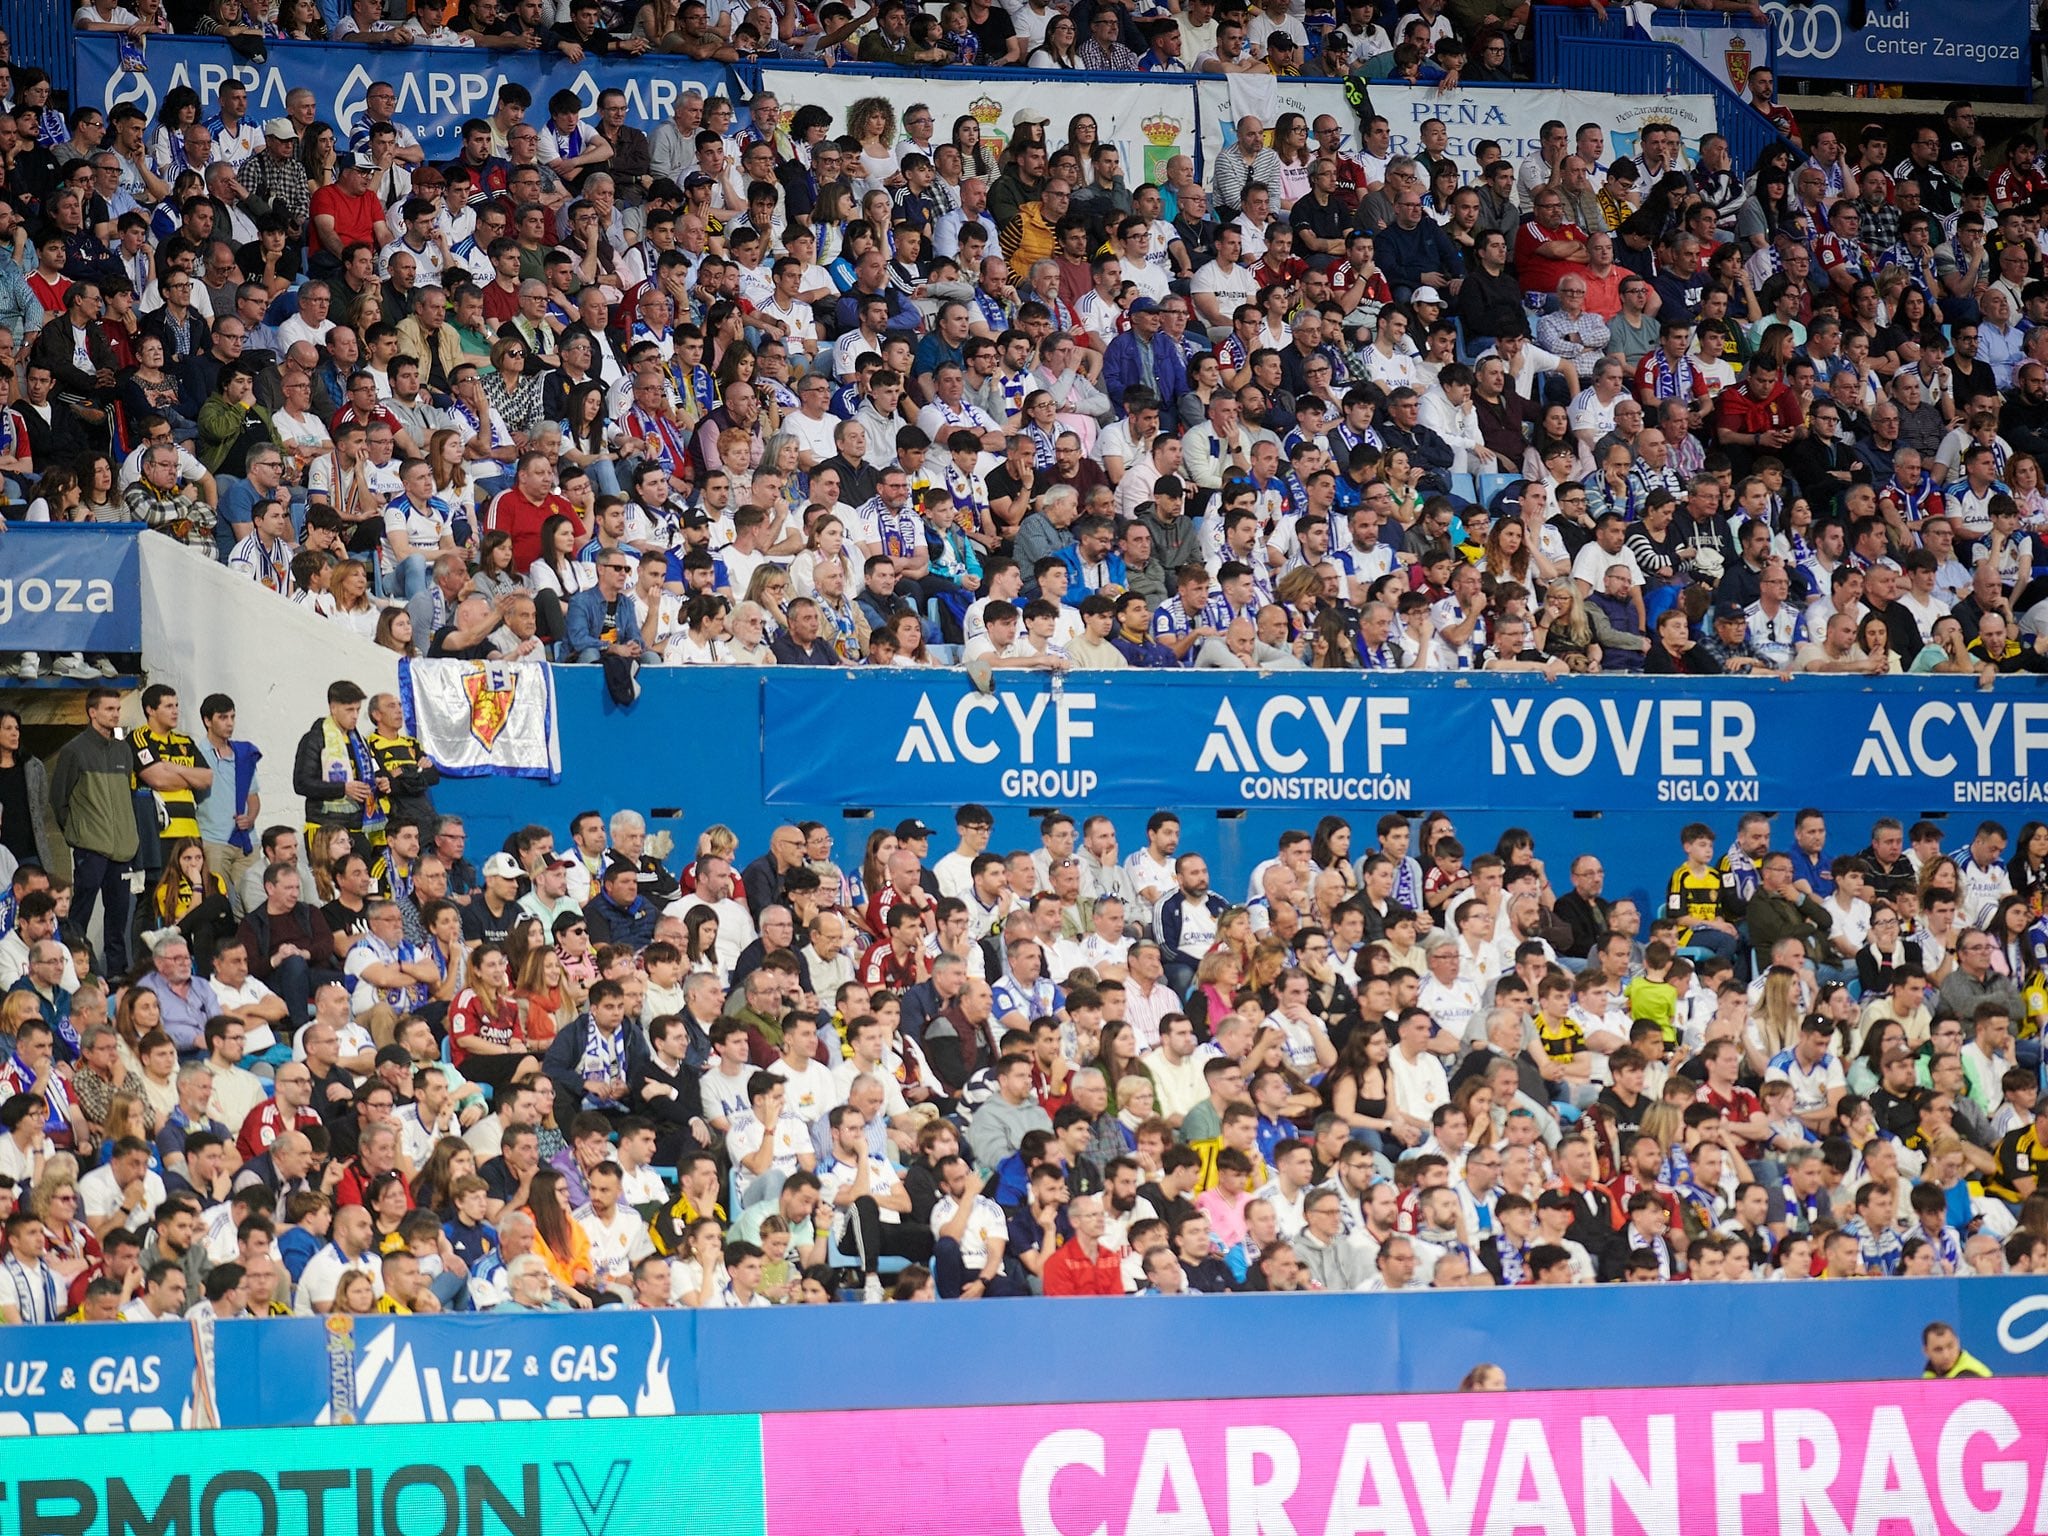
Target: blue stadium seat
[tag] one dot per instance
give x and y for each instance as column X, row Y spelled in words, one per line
column 1465, row 486
column 1490, row 486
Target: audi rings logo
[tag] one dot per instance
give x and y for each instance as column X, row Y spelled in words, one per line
column 1806, row 31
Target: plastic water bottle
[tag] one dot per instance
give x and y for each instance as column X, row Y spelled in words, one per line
column 872, row 1291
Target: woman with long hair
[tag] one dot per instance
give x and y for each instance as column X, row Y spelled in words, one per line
column 331, row 848
column 1217, row 977
column 1330, row 646
column 975, row 160
column 127, row 1118
column 545, row 995
column 825, row 544
column 563, row 1244
column 450, row 1160
column 1883, row 951
column 872, row 121
column 700, row 944
column 556, row 575
column 316, row 156
column 348, row 585
column 494, row 577
column 99, row 488
column 1234, row 933
column 1774, row 1022
column 1061, row 48
column 137, row 1014
column 587, row 436
column 447, row 456
column 874, row 863
column 1329, row 850
column 394, row 632
column 24, row 797
column 192, row 899
column 1290, row 143
column 1117, row 1057
column 768, row 590
column 486, row 1027
column 1553, row 431
column 1564, row 627
column 1507, row 556
column 152, row 387
column 908, row 632
column 1360, row 1091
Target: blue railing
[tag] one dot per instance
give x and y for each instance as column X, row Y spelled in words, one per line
column 1641, row 68
column 40, row 35
column 1580, row 51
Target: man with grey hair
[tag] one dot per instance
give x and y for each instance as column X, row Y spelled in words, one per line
column 1045, row 530
column 629, row 845
column 1329, row 1261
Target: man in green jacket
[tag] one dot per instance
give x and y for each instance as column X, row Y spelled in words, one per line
column 1775, row 912
column 92, row 793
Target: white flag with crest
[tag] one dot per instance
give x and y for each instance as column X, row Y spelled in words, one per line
column 475, row 718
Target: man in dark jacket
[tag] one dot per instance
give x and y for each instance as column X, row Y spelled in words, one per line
column 800, row 644
column 593, row 1062
column 619, row 914
column 334, row 768
column 91, row 800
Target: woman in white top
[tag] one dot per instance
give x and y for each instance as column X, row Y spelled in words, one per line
column 701, row 641
column 349, row 586
column 874, row 122
column 557, row 570
column 748, row 646
column 826, row 546
column 1060, row 48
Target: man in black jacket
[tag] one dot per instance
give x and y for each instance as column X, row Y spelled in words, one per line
column 665, row 1091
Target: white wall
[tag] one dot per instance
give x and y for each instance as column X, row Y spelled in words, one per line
column 207, row 630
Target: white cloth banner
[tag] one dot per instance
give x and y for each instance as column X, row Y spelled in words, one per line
column 1726, row 53
column 1512, row 116
column 1148, row 121
column 474, row 719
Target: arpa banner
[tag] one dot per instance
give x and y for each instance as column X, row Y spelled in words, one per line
column 1983, row 42
column 438, row 88
column 1463, row 740
column 71, row 587
column 1511, row 116
column 1149, row 119
column 1937, row 1458
column 97, row 1378
column 473, row 718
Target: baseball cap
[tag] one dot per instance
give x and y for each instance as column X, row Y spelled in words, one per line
column 359, row 162
column 1895, row 1055
column 1145, row 306
column 1282, row 42
column 696, row 517
column 1169, row 485
column 502, row 865
column 1425, row 295
column 1726, row 611
column 696, row 179
column 1337, row 38
column 280, row 128
column 394, row 1056
column 561, row 861
column 912, row 828
column 1953, row 148
column 1027, row 116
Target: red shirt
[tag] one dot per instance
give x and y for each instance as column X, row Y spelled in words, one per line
column 1540, row 274
column 354, row 1184
column 1737, row 1104
column 2009, row 186
column 1070, row 1272
column 500, row 304
column 512, row 513
column 467, row 1022
column 265, row 1123
column 880, row 968
column 1743, row 412
column 355, row 218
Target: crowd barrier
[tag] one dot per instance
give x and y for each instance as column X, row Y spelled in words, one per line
column 70, row 587
column 1149, row 117
column 1941, row 1458
column 380, row 1370
column 1615, row 765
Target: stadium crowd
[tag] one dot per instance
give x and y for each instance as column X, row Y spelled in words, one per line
column 765, row 388
column 355, row 1064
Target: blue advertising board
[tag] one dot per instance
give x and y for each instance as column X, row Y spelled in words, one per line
column 438, row 88
column 71, row 586
column 94, row 1378
column 439, row 1370
column 1981, row 43
column 616, row 1363
column 1370, row 741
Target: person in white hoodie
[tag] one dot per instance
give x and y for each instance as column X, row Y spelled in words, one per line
column 1447, row 410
